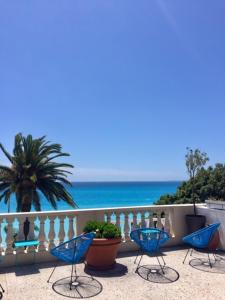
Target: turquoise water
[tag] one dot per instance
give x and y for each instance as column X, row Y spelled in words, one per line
column 99, row 195
column 110, row 194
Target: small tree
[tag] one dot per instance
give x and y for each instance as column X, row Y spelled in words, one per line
column 195, row 160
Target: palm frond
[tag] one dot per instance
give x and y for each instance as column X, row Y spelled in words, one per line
column 6, row 153
column 34, row 169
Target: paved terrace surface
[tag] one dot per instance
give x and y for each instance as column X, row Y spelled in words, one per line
column 29, row 282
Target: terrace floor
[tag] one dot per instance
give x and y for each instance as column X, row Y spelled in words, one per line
column 179, row 282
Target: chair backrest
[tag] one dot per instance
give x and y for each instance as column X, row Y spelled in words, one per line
column 74, row 250
column 149, row 239
column 202, row 237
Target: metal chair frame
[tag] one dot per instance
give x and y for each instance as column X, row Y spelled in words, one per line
column 73, row 267
column 155, row 253
column 204, row 249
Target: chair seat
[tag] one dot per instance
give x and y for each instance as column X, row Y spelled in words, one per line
column 200, row 239
column 73, row 251
column 149, row 239
column 67, row 254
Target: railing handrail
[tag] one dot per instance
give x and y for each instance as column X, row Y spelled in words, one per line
column 80, row 211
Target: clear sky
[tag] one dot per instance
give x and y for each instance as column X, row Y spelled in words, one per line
column 124, row 86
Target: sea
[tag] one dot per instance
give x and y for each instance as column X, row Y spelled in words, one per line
column 97, row 195
column 108, row 194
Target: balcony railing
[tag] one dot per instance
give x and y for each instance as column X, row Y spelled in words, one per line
column 54, row 227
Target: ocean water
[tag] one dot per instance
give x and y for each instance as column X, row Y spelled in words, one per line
column 109, row 194
column 98, row 195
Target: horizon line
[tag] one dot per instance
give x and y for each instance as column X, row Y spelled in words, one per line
column 118, row 181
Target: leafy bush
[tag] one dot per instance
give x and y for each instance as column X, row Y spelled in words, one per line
column 103, row 229
column 209, row 184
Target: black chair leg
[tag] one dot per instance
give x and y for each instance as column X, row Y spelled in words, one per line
column 164, row 263
column 3, row 291
column 139, row 263
column 71, row 277
column 136, row 258
column 209, row 261
column 160, row 264
column 186, row 255
column 214, row 255
column 51, row 273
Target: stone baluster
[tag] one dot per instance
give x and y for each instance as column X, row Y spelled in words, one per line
column 134, row 220
column 108, row 217
column 42, row 237
column 117, row 219
column 51, row 235
column 159, row 221
column 126, row 227
column 150, row 217
column 1, row 235
column 61, row 229
column 20, row 235
column 9, row 237
column 31, row 234
column 71, row 232
column 143, row 225
column 167, row 222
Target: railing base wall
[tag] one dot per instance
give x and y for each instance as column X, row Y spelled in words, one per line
column 23, row 259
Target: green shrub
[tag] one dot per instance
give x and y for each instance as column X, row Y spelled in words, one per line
column 103, row 229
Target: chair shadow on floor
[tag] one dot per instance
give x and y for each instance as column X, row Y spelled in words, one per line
column 154, row 273
column 22, row 270
column 118, row 270
column 83, row 287
column 202, row 264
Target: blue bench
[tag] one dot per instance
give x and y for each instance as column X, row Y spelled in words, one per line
column 26, row 243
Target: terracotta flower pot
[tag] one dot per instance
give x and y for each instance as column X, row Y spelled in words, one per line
column 102, row 253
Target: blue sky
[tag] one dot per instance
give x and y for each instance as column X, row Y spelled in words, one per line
column 124, row 86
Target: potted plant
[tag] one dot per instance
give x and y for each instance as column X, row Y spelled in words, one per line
column 195, row 160
column 103, row 251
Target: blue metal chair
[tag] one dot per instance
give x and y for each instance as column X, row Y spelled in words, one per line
column 73, row 251
column 150, row 240
column 199, row 240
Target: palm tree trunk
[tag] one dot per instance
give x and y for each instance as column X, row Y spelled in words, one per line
column 26, row 202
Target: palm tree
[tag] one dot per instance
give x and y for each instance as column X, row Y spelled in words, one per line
column 33, row 171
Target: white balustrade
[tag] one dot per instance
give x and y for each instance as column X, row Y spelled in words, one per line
column 67, row 223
